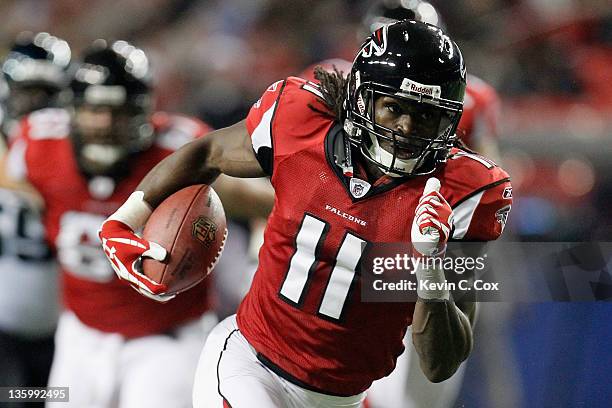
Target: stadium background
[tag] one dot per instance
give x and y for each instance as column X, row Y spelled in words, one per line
column 551, row 62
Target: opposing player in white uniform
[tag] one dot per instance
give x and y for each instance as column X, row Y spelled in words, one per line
column 35, row 73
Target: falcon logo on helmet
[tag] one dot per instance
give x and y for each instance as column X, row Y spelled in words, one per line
column 377, row 44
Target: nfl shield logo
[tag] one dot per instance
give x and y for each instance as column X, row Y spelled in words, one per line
column 359, row 188
column 204, row 230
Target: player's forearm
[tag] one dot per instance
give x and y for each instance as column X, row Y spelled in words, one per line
column 442, row 336
column 187, row 166
column 245, row 199
column 226, row 150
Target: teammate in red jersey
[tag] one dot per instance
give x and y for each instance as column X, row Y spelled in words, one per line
column 371, row 160
column 113, row 347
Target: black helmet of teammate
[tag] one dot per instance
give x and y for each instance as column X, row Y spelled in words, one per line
column 116, row 74
column 36, row 69
column 420, row 65
column 112, row 81
column 385, row 12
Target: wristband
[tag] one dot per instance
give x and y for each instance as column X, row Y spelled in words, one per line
column 134, row 212
column 428, row 275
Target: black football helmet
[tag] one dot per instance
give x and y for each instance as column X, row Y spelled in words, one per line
column 112, row 96
column 384, row 12
column 419, row 65
column 36, row 70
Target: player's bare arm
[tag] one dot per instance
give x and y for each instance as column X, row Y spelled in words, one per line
column 227, row 151
column 442, row 332
column 448, row 320
column 235, row 192
column 442, row 336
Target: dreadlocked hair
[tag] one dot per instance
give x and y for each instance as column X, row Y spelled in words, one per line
column 333, row 87
column 461, row 144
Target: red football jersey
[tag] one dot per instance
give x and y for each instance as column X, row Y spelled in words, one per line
column 303, row 313
column 75, row 209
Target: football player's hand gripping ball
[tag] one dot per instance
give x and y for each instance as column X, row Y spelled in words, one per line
column 124, row 249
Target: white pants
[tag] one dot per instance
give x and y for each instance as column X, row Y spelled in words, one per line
column 104, row 370
column 229, row 370
column 407, row 386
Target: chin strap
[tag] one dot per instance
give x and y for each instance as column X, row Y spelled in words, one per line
column 342, row 150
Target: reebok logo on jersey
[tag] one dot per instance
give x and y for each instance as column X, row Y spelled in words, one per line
column 507, row 194
column 344, row 215
column 410, row 86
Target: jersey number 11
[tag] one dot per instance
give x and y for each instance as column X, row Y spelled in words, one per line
column 303, row 264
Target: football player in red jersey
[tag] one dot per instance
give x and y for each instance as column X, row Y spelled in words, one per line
column 368, row 160
column 113, row 347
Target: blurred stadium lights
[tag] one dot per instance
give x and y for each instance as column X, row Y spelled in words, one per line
column 576, row 177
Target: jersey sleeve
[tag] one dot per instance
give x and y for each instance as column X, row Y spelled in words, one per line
column 260, row 122
column 482, row 215
column 285, row 120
